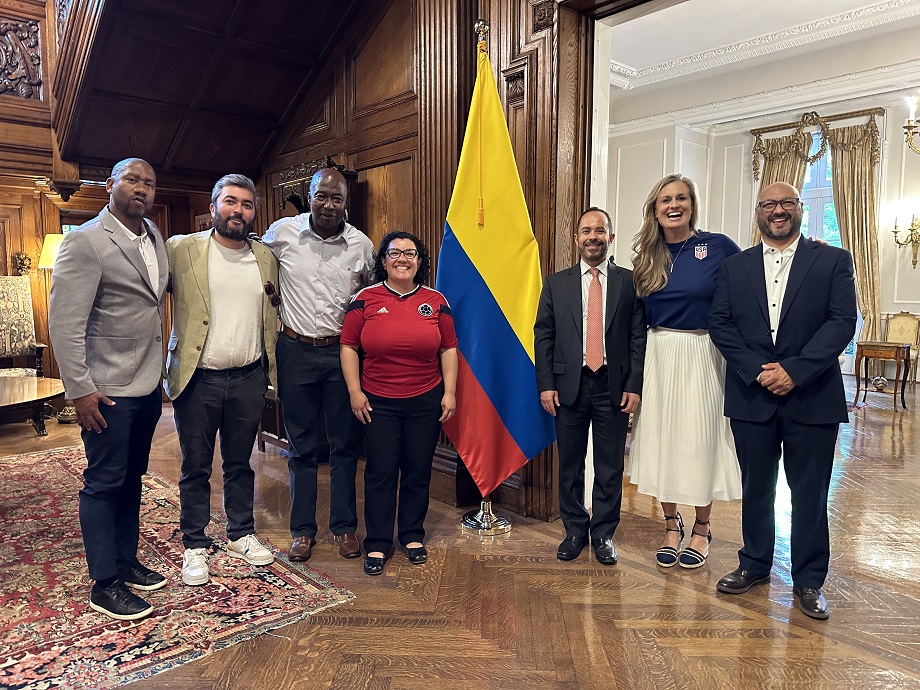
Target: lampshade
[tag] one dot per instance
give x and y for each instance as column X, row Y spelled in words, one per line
column 50, row 249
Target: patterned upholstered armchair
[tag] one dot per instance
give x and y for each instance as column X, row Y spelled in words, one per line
column 17, row 329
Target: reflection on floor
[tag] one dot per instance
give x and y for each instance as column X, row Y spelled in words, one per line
column 508, row 614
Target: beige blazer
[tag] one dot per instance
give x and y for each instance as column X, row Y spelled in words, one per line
column 191, row 299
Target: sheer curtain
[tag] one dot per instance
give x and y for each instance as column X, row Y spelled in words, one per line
column 784, row 160
column 854, row 155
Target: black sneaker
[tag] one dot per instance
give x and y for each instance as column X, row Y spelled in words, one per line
column 142, row 577
column 118, row 602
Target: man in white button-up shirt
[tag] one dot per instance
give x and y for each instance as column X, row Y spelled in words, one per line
column 782, row 313
column 323, row 262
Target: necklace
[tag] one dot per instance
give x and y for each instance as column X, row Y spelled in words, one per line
column 674, row 260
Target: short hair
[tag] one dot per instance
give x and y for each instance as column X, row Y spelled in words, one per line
column 323, row 172
column 598, row 209
column 233, row 180
column 120, row 166
column 424, row 259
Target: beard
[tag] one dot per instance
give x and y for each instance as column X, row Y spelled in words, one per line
column 236, row 233
column 766, row 228
column 593, row 251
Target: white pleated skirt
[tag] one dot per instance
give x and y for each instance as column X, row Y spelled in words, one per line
column 682, row 449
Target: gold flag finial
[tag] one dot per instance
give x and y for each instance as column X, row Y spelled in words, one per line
column 481, row 28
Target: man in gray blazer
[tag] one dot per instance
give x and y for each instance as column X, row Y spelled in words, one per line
column 106, row 317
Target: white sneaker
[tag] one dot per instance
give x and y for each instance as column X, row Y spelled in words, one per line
column 250, row 550
column 195, row 567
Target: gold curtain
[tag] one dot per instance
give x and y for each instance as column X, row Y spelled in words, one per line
column 784, row 160
column 854, row 155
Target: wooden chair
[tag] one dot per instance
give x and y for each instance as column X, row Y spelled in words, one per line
column 904, row 327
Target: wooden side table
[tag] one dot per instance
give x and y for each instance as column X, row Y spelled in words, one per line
column 896, row 352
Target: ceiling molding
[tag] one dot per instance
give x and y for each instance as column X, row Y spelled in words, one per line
column 800, row 35
column 723, row 116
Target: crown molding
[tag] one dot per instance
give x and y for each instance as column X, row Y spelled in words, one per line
column 722, row 116
column 804, row 34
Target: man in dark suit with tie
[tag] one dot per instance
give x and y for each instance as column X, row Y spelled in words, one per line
column 783, row 312
column 589, row 342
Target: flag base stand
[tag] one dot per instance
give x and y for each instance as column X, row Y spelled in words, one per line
column 484, row 522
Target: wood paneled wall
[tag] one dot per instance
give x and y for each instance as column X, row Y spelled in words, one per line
column 393, row 104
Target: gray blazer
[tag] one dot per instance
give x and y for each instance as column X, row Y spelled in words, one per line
column 106, row 322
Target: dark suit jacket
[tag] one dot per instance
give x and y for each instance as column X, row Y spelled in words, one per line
column 558, row 337
column 817, row 320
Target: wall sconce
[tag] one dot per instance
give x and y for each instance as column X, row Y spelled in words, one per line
column 910, row 129
column 913, row 237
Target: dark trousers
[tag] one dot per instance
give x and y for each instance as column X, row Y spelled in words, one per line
column 309, row 380
column 229, row 400
column 400, row 441
column 110, row 499
column 807, row 451
column 593, row 407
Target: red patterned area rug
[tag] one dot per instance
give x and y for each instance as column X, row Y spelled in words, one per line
column 49, row 637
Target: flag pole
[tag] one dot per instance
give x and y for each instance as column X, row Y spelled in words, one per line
column 483, row 522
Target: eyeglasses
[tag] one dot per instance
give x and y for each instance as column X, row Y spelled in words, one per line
column 394, row 253
column 769, row 204
column 273, row 296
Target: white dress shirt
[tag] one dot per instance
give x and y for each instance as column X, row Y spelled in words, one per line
column 776, row 266
column 148, row 253
column 317, row 278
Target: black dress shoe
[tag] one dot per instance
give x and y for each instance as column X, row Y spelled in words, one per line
column 416, row 554
column 811, row 602
column 739, row 581
column 141, row 577
column 604, row 551
column 118, row 602
column 373, row 565
column 570, row 548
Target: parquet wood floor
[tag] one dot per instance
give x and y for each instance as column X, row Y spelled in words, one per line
column 504, row 613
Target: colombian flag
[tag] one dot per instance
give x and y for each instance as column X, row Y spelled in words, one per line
column 489, row 270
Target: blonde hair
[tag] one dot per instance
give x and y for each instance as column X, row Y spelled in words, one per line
column 652, row 258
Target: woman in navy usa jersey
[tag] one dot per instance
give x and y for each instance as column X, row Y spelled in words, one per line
column 682, row 448
column 404, row 392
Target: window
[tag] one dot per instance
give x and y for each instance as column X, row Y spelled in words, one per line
column 819, row 219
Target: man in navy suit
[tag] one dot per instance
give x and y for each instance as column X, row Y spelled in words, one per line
column 783, row 312
column 590, row 375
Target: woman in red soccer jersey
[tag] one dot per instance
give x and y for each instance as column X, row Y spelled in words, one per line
column 404, row 392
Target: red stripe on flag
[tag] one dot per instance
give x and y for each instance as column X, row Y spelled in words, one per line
column 476, row 418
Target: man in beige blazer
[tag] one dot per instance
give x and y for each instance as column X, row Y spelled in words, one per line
column 106, row 316
column 220, row 360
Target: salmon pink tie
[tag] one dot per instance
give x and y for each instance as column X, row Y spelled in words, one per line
column 594, row 345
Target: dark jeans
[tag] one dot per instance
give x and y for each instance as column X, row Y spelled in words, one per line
column 309, row 380
column 110, row 499
column 229, row 400
column 807, row 452
column 400, row 441
column 593, row 407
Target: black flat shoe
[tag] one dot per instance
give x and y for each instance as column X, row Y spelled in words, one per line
column 416, row 554
column 604, row 551
column 373, row 565
column 811, row 602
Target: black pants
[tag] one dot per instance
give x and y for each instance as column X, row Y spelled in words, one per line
column 231, row 401
column 593, row 407
column 400, row 440
column 309, row 380
column 807, row 451
column 110, row 499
